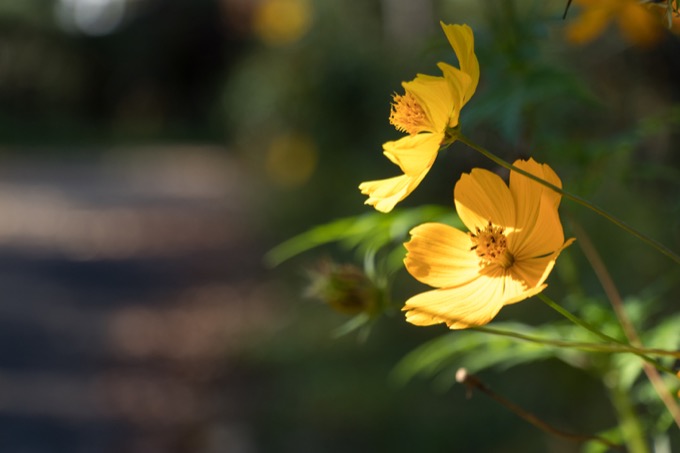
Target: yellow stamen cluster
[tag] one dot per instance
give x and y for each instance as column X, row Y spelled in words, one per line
column 491, row 246
column 407, row 115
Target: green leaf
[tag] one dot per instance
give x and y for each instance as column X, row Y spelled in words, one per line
column 370, row 231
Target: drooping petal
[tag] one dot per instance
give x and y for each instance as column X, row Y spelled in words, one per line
column 414, row 153
column 434, row 96
column 482, row 196
column 539, row 230
column 523, row 295
column 472, row 304
column 440, row 255
column 462, row 41
column 384, row 194
column 459, row 82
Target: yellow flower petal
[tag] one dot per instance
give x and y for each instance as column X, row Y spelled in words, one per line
column 482, row 196
column 440, row 255
column 520, row 184
column 384, row 194
column 472, row 304
column 459, row 83
column 536, row 210
column 414, row 153
column 434, row 96
column 463, row 43
column 535, row 271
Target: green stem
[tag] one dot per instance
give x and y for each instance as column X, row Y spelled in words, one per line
column 649, row 241
column 612, row 348
column 575, row 319
column 631, row 430
column 636, row 349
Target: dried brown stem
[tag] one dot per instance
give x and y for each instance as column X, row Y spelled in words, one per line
column 472, row 382
column 614, row 297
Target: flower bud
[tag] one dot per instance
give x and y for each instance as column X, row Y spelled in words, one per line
column 345, row 287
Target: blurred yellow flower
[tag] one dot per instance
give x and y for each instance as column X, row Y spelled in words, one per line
column 428, row 108
column 515, row 237
column 637, row 23
column 282, row 22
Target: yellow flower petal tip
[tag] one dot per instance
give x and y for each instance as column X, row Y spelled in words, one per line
column 514, row 238
column 429, row 106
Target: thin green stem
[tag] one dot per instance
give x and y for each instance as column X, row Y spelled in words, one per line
column 575, row 319
column 631, row 430
column 629, row 329
column 641, row 352
column 610, row 348
column 644, row 238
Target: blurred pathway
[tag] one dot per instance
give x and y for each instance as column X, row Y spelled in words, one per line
column 128, row 282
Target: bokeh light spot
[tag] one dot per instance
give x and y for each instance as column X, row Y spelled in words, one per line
column 291, row 160
column 281, row 22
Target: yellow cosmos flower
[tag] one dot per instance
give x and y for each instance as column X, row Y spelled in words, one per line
column 515, row 237
column 636, row 21
column 429, row 106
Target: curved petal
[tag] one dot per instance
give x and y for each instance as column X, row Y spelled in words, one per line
column 481, row 196
column 384, row 194
column 539, row 227
column 472, row 304
column 458, row 82
column 523, row 186
column 434, row 96
column 462, row 41
column 414, row 153
column 440, row 255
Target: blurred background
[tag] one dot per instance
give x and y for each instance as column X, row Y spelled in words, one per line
column 153, row 151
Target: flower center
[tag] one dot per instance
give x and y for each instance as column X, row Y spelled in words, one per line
column 407, row 115
column 491, row 246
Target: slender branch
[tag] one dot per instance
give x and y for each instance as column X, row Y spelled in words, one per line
column 636, row 349
column 649, row 241
column 575, row 319
column 614, row 297
column 473, row 382
column 611, row 348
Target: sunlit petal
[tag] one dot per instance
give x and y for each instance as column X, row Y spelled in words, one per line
column 384, row 194
column 482, row 196
column 414, row 153
column 434, row 96
column 462, row 41
column 472, row 304
column 459, row 82
column 536, row 210
column 440, row 255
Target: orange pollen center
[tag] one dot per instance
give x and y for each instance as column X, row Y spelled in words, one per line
column 491, row 246
column 407, row 115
